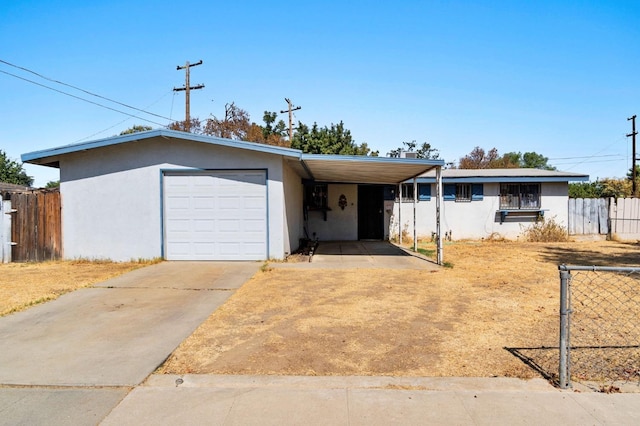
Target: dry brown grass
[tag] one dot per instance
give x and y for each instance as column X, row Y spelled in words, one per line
column 452, row 322
column 26, row 284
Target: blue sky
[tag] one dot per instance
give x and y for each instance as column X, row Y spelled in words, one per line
column 556, row 77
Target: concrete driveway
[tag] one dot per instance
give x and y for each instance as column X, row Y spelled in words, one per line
column 84, row 351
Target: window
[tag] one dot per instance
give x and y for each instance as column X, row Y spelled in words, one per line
column 316, row 196
column 462, row 192
column 424, row 192
column 519, row 196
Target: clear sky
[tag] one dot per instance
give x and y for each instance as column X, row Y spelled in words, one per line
column 556, row 77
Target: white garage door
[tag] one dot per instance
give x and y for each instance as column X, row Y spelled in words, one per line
column 219, row 215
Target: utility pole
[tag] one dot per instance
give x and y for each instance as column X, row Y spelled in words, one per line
column 633, row 141
column 291, row 109
column 187, row 88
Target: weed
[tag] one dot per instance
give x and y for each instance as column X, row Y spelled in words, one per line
column 406, row 237
column 265, row 267
column 495, row 237
column 546, row 231
column 426, row 252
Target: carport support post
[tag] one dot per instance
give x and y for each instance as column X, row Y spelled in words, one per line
column 439, row 254
column 415, row 198
column 400, row 213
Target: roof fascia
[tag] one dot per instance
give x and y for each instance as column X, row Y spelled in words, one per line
column 504, row 179
column 365, row 158
column 84, row 146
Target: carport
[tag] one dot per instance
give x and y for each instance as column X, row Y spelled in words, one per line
column 370, row 172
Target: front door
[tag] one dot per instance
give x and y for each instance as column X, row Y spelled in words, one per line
column 370, row 212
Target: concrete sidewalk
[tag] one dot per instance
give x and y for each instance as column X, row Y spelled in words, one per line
column 276, row 400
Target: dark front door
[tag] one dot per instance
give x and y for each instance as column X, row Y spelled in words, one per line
column 370, row 212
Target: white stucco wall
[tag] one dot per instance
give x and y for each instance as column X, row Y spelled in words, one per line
column 341, row 225
column 112, row 196
column 478, row 219
column 293, row 212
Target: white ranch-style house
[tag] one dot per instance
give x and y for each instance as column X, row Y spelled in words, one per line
column 181, row 196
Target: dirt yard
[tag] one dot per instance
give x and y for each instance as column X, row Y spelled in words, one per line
column 26, row 284
column 457, row 321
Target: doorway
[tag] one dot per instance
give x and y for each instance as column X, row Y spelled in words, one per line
column 370, row 212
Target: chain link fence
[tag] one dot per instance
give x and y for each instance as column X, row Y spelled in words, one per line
column 599, row 327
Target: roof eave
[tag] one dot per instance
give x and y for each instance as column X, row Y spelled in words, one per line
column 49, row 157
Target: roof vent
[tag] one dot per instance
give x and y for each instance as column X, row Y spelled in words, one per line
column 408, row 154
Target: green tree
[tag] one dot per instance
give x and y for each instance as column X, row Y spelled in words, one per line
column 328, row 140
column 585, row 189
column 617, row 188
column 135, row 129
column 271, row 127
column 630, row 178
column 11, row 171
column 424, row 151
column 53, row 184
column 533, row 160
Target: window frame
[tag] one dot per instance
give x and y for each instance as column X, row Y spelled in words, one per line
column 455, row 192
column 520, row 196
column 424, row 192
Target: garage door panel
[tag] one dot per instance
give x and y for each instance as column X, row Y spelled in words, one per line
column 216, row 216
column 228, row 225
column 204, row 203
column 204, row 225
column 203, row 249
column 177, row 202
column 254, row 249
column 178, row 225
column 255, row 226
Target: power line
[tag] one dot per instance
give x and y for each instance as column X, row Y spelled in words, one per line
column 597, row 154
column 118, row 123
column 77, row 88
column 588, row 156
column 590, row 162
column 82, row 99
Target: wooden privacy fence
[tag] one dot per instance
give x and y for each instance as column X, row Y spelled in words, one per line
column 588, row 216
column 36, row 226
column 605, row 216
column 624, row 216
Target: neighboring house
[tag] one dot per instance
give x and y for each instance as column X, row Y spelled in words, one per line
column 182, row 196
column 483, row 203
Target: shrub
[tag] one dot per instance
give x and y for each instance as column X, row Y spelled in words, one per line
column 546, row 231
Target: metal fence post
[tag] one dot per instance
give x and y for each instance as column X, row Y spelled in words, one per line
column 564, row 376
